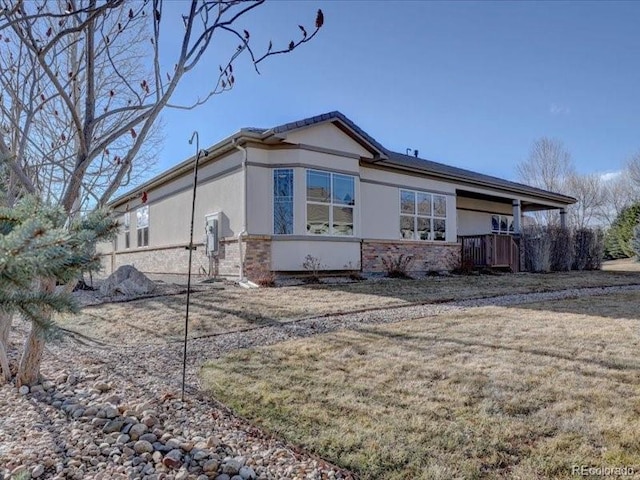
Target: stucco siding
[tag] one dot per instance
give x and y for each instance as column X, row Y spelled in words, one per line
column 473, row 223
column 289, row 255
column 375, row 175
column 260, row 200
column 380, row 200
column 260, row 167
column 219, row 190
column 474, row 216
column 169, row 219
column 380, row 211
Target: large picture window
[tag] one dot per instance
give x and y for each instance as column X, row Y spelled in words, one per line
column 330, row 203
column 283, row 201
column 142, row 225
column 423, row 216
column 501, row 224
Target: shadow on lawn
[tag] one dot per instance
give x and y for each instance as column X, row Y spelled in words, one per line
column 449, row 289
column 420, row 343
column 618, row 306
column 163, row 317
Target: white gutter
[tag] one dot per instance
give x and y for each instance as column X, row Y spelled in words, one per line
column 243, row 232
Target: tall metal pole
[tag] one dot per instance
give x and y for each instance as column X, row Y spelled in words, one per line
column 191, row 248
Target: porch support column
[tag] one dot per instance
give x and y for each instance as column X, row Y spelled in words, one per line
column 517, row 217
column 563, row 218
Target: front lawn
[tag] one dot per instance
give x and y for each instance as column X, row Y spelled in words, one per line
column 491, row 392
column 217, row 311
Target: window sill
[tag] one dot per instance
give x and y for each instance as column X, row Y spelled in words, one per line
column 320, row 238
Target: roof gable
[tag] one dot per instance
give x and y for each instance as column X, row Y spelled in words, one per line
column 328, row 135
column 337, row 119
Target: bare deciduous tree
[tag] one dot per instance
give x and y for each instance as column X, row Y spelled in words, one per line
column 549, row 166
column 619, row 194
column 84, row 82
column 591, row 198
column 633, row 169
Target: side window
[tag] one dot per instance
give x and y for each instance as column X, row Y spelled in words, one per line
column 127, row 230
column 423, row 216
column 283, row 201
column 142, row 218
column 331, row 201
column 502, row 224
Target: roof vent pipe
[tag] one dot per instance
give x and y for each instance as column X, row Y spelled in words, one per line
column 415, row 153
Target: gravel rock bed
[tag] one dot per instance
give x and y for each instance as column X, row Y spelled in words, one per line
column 206, row 348
column 115, row 412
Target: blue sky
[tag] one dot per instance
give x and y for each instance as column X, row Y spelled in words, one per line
column 468, row 84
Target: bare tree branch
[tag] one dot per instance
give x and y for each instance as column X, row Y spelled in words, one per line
column 77, row 98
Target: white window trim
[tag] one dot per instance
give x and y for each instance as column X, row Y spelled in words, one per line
column 417, row 215
column 138, row 228
column 500, row 217
column 330, row 204
column 126, row 221
column 293, row 207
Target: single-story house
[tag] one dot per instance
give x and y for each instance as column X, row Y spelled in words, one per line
column 320, row 187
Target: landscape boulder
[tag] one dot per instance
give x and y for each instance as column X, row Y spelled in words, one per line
column 127, row 280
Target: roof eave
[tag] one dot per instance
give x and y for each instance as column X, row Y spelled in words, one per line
column 551, row 196
column 214, row 151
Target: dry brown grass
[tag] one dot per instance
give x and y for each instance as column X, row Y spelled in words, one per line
column 161, row 319
column 493, row 392
column 622, row 265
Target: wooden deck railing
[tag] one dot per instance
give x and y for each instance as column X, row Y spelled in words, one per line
column 492, row 251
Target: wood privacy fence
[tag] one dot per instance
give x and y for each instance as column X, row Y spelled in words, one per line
column 491, row 251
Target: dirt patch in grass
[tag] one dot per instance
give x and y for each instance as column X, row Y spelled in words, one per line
column 221, row 310
column 492, row 392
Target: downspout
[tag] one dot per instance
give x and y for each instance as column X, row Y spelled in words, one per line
column 243, row 231
column 113, row 255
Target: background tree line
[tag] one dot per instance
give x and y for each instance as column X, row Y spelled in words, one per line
column 608, row 202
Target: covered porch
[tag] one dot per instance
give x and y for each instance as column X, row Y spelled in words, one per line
column 489, row 227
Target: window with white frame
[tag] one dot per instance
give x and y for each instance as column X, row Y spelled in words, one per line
column 283, row 201
column 423, row 216
column 331, row 201
column 142, row 225
column 127, row 227
column 502, row 224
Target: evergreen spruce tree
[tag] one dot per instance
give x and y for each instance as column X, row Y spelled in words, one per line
column 635, row 242
column 619, row 235
column 39, row 250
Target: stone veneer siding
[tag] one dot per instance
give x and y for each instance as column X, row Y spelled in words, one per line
column 175, row 258
column 257, row 256
column 427, row 256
